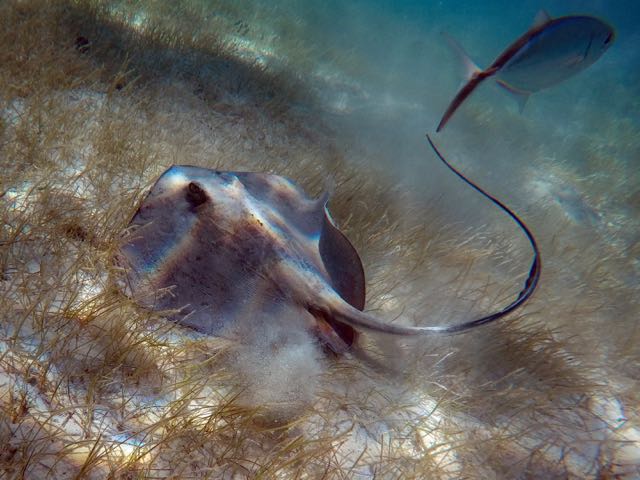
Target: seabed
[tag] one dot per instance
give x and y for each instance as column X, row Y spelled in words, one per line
column 97, row 99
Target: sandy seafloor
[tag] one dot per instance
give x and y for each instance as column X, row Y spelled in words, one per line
column 92, row 386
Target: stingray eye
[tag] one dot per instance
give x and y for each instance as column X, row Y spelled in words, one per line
column 196, row 195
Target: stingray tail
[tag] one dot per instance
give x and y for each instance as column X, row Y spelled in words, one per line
column 530, row 283
column 342, row 312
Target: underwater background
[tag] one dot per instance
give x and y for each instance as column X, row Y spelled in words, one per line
column 98, row 98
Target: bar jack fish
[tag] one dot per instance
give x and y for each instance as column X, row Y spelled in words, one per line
column 210, row 248
column 548, row 53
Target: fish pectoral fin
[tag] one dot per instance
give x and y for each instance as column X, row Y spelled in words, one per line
column 573, row 61
column 520, row 96
column 541, row 18
column 469, row 68
column 522, row 101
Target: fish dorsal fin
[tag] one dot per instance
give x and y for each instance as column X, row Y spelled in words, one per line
column 468, row 66
column 541, row 18
column 342, row 263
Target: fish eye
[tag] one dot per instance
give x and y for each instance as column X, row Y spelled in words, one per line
column 608, row 39
column 196, row 195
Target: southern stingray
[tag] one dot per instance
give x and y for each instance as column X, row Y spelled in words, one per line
column 211, row 248
column 551, row 51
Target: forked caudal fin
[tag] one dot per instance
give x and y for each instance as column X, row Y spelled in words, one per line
column 472, row 76
column 463, row 93
column 363, row 321
column 468, row 66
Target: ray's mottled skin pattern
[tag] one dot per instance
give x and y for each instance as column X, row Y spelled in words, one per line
column 217, row 249
column 216, row 246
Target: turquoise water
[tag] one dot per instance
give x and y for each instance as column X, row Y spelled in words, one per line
column 382, row 76
column 363, row 82
column 384, row 68
column 377, row 75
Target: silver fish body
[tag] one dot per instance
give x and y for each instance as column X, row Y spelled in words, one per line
column 560, row 49
column 550, row 52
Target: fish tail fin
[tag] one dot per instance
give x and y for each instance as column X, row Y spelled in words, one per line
column 472, row 76
column 469, row 67
column 462, row 95
column 520, row 96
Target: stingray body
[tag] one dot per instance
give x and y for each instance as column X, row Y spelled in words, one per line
column 548, row 53
column 214, row 248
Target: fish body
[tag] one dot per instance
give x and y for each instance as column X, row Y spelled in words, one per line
column 550, row 52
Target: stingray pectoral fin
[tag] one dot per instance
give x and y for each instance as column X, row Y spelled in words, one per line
column 342, row 263
column 342, row 312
